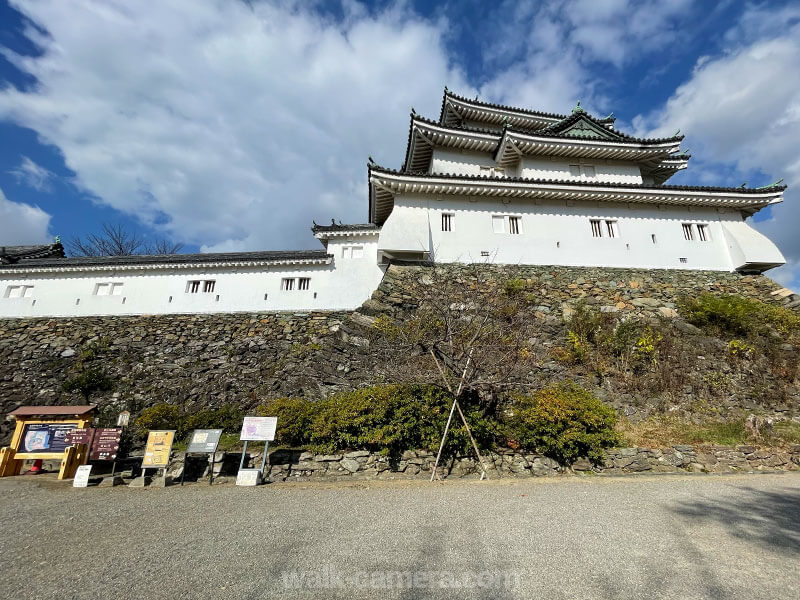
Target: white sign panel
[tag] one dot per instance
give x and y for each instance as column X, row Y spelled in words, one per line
column 248, row 477
column 258, row 429
column 82, row 476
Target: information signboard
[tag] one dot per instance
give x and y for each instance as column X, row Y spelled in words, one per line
column 45, row 437
column 204, row 441
column 159, row 445
column 82, row 476
column 106, row 443
column 258, row 429
column 248, row 477
column 79, row 436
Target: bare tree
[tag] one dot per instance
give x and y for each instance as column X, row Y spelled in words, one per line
column 472, row 332
column 115, row 239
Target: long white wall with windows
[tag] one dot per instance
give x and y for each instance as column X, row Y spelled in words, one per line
column 344, row 283
column 573, row 233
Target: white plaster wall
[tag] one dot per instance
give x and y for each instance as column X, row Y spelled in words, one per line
column 343, row 285
column 460, row 163
column 559, row 168
column 560, row 234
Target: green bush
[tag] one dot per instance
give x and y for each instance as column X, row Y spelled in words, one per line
column 295, row 417
column 564, row 422
column 227, row 417
column 161, row 416
column 89, row 380
column 736, row 316
column 395, row 418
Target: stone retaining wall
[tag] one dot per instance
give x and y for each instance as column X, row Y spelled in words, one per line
column 214, row 359
column 287, row 465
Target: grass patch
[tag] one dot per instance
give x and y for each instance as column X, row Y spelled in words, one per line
column 668, row 431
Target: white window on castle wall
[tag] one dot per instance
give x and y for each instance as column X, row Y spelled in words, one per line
column 492, row 171
column 195, row 286
column 498, row 224
column 612, row 229
column 287, row 284
column 688, row 232
column 304, row 283
column 108, row 289
column 597, row 228
column 352, row 251
column 582, row 171
column 515, row 224
column 447, row 222
column 702, row 233
column 19, row 291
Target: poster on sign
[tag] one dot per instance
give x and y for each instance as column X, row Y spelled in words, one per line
column 258, row 429
column 82, row 476
column 204, row 441
column 157, row 450
column 106, row 443
column 45, row 437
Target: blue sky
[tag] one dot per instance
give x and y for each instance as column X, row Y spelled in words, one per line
column 230, row 125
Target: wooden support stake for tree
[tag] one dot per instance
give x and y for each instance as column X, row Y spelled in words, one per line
column 450, row 417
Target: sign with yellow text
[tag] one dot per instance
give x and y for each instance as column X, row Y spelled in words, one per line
column 159, row 445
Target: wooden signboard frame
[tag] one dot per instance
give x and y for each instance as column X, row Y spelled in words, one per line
column 71, row 457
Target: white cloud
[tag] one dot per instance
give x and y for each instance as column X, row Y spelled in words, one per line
column 33, row 175
column 224, row 124
column 22, row 223
column 743, row 108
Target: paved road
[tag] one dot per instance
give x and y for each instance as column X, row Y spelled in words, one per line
column 638, row 537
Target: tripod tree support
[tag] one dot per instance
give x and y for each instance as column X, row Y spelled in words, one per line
column 456, row 405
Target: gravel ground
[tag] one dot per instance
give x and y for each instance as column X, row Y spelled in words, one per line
column 735, row 536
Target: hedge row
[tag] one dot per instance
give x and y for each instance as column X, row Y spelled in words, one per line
column 563, row 421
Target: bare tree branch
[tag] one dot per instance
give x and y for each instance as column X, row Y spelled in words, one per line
column 115, row 239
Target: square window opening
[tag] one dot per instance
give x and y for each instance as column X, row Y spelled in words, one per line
column 287, row 284
column 303, row 283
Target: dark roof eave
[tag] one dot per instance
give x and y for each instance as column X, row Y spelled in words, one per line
column 522, row 111
column 771, row 189
column 167, row 260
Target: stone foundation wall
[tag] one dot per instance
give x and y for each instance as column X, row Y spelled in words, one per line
column 210, row 360
column 285, row 465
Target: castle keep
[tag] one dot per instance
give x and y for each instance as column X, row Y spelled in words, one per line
column 484, row 183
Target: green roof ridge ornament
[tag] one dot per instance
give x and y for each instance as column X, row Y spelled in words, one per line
column 372, row 160
column 677, row 133
column 764, row 187
column 744, row 185
column 57, row 240
column 445, row 89
column 610, row 115
column 413, row 112
column 578, row 109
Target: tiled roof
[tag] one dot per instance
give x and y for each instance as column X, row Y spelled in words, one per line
column 525, row 111
column 13, row 254
column 686, row 188
column 176, row 259
column 556, row 128
column 551, row 131
column 345, row 227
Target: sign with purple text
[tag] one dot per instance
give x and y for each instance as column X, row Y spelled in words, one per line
column 258, row 429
